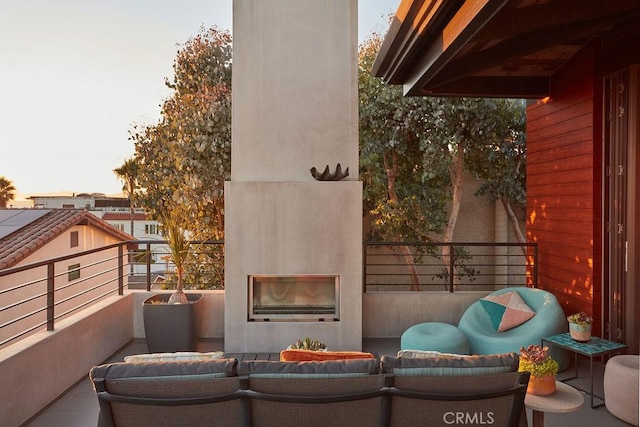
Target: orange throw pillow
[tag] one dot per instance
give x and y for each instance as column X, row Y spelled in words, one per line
column 297, row 355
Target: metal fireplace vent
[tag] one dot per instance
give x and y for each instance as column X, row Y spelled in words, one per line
column 294, row 298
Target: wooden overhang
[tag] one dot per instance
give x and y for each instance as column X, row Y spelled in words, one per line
column 497, row 48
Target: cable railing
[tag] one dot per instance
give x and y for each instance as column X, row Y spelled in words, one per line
column 151, row 266
column 36, row 296
column 48, row 291
column 397, row 266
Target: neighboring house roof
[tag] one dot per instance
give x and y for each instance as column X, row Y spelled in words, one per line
column 496, row 47
column 123, row 216
column 24, row 231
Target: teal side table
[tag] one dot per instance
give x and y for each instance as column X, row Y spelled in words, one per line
column 595, row 347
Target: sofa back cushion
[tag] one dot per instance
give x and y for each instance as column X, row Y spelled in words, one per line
column 456, row 389
column 283, row 392
column 489, row 399
column 146, row 384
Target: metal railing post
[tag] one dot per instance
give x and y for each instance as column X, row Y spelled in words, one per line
column 364, row 267
column 50, row 295
column 148, row 258
column 535, row 266
column 120, row 270
column 451, row 266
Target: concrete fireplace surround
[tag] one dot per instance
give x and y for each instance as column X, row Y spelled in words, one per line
column 294, row 107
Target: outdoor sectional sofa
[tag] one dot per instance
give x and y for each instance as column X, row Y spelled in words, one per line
column 431, row 389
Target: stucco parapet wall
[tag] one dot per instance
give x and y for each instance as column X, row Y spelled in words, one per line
column 389, row 314
column 37, row 369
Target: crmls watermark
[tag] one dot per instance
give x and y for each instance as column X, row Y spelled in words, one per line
column 474, row 418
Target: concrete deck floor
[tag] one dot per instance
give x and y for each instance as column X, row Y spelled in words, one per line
column 78, row 407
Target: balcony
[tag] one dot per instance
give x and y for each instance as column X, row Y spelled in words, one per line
column 45, row 369
column 78, row 407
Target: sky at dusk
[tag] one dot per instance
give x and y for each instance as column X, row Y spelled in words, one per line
column 77, row 74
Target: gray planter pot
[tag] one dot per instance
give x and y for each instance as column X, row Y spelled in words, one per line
column 171, row 328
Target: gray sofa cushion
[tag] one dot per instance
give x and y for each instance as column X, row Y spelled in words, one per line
column 450, row 365
column 168, row 380
column 350, row 392
column 468, row 400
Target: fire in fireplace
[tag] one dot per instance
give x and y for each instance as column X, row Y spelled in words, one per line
column 294, row 298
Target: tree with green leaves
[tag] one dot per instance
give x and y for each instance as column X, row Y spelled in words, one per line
column 414, row 152
column 7, row 192
column 185, row 158
column 501, row 167
column 403, row 201
column 469, row 134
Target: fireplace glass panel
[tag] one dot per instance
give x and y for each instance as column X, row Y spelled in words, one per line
column 299, row 297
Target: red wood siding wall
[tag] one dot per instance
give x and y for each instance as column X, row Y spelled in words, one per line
column 563, row 187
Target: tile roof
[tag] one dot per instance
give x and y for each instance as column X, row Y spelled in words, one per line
column 33, row 235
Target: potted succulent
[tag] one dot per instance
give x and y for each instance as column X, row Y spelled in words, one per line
column 536, row 360
column 172, row 321
column 580, row 326
column 308, row 344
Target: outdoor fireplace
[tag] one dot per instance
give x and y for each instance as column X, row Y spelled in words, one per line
column 294, row 298
column 293, row 243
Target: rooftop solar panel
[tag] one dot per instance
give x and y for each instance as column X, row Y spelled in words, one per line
column 12, row 220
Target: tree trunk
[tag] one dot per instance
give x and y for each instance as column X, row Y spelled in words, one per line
column 456, row 175
column 391, row 168
column 178, row 297
column 514, row 223
column 513, row 219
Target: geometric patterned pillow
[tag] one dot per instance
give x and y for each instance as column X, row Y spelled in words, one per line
column 506, row 310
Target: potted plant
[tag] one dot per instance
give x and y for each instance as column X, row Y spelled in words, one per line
column 308, row 344
column 536, row 360
column 172, row 321
column 580, row 326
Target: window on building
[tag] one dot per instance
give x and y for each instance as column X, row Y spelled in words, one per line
column 150, row 229
column 74, row 239
column 67, row 206
column 73, row 272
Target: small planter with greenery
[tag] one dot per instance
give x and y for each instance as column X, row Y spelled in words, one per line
column 308, row 344
column 580, row 326
column 536, row 360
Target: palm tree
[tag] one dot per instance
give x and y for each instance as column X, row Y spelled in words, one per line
column 128, row 174
column 7, row 192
